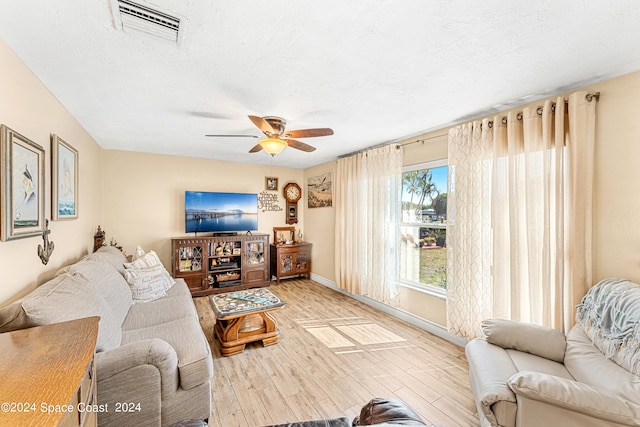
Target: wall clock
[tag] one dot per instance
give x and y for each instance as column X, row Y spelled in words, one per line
column 292, row 193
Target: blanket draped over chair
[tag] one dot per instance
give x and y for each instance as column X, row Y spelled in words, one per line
column 610, row 316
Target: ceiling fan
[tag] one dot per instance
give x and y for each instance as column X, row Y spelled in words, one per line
column 278, row 138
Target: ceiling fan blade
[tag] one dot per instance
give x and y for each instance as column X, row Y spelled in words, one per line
column 300, row 145
column 262, row 124
column 256, row 148
column 233, row 136
column 308, row 133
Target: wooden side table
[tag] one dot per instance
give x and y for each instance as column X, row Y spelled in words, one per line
column 291, row 260
column 48, row 375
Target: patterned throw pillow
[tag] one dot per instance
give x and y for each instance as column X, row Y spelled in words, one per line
column 145, row 261
column 147, row 277
column 148, row 284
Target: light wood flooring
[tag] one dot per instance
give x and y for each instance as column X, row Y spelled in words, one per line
column 334, row 355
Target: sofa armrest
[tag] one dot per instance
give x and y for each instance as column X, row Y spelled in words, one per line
column 535, row 339
column 574, row 396
column 489, row 369
column 155, row 352
column 387, row 411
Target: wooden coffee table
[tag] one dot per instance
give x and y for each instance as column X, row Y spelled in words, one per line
column 243, row 317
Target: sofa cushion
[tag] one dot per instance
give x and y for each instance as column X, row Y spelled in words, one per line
column 530, row 362
column 148, row 284
column 177, row 304
column 186, row 337
column 588, row 365
column 111, row 255
column 13, row 317
column 108, row 283
column 65, row 297
column 527, row 337
column 577, row 397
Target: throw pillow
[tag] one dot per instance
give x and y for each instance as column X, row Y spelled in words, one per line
column 535, row 339
column 147, row 260
column 148, row 284
column 71, row 297
column 139, row 253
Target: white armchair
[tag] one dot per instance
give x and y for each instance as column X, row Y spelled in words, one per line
column 528, row 375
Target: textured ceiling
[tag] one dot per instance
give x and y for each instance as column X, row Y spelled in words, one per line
column 375, row 71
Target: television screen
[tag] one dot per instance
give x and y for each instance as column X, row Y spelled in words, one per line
column 220, row 212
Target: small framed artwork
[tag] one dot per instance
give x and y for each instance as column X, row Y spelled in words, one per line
column 319, row 191
column 21, row 186
column 64, row 180
column 271, row 183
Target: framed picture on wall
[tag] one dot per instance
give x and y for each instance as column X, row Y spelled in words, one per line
column 319, row 191
column 64, row 180
column 271, row 183
column 21, row 186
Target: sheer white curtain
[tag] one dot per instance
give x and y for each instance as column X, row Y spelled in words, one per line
column 519, row 214
column 367, row 194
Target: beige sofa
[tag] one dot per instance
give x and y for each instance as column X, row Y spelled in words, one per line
column 151, row 355
column 528, row 375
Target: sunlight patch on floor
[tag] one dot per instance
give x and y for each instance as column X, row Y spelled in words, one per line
column 370, row 333
column 342, row 332
column 330, row 337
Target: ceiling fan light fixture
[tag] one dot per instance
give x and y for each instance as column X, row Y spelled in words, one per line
column 272, row 146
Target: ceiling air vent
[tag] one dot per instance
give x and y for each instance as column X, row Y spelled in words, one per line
column 135, row 17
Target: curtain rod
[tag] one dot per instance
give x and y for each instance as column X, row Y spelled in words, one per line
column 424, row 139
column 398, row 145
column 589, row 97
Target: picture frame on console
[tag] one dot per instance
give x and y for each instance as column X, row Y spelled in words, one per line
column 64, row 180
column 21, row 186
column 284, row 235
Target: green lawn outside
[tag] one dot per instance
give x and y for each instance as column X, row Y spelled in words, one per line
column 433, row 267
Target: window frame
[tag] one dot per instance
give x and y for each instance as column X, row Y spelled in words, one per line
column 424, row 287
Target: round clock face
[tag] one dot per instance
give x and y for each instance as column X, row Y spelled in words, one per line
column 293, row 193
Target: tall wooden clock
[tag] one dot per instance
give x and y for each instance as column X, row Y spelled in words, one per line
column 292, row 193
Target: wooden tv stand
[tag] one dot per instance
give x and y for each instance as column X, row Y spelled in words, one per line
column 216, row 264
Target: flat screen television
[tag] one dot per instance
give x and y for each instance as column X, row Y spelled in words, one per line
column 207, row 212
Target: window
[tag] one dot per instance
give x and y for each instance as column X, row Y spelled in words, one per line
column 423, row 260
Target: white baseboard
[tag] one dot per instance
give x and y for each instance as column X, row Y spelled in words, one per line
column 431, row 327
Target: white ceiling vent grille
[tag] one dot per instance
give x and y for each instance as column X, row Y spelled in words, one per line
column 135, row 17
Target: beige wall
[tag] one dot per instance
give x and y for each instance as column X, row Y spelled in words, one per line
column 616, row 215
column 320, row 227
column 28, row 107
column 144, row 195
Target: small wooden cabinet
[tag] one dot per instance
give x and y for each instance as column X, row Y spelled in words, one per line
column 48, row 375
column 218, row 264
column 291, row 260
